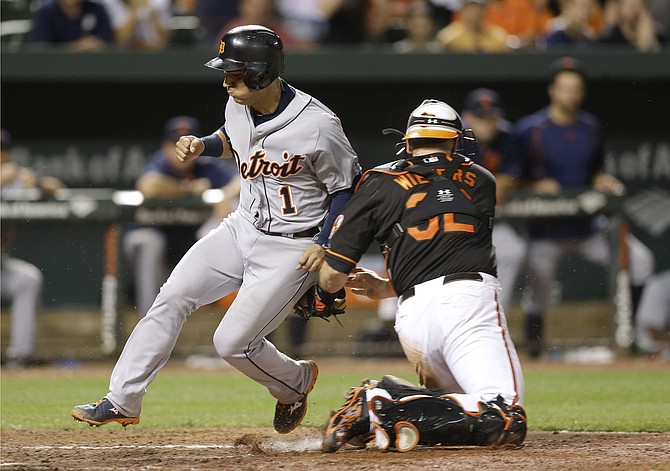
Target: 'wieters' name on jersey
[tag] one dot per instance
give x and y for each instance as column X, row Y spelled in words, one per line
column 410, row 180
column 259, row 165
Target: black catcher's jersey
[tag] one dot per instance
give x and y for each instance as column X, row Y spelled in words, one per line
column 428, row 225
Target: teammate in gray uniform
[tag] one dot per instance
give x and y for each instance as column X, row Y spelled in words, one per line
column 152, row 250
column 652, row 322
column 297, row 169
column 20, row 281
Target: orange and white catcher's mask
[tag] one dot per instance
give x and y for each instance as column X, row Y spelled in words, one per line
column 434, row 119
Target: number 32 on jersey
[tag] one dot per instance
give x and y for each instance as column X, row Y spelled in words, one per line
column 447, row 219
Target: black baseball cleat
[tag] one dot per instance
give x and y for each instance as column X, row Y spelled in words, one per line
column 350, row 421
column 288, row 416
column 101, row 413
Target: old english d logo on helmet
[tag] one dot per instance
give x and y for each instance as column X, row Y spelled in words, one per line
column 222, row 47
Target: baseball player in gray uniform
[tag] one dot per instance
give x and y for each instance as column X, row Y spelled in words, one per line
column 20, row 281
column 298, row 170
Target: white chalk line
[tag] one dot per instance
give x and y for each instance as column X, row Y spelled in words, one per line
column 307, row 444
column 124, row 447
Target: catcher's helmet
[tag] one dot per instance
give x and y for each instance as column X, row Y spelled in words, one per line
column 255, row 48
column 434, row 119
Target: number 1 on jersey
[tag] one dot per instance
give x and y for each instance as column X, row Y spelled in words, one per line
column 287, row 207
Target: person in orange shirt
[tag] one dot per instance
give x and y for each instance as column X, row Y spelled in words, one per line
column 525, row 19
column 471, row 33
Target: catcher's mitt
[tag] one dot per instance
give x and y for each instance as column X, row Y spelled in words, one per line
column 319, row 303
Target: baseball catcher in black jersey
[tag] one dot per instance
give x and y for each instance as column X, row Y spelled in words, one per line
column 432, row 214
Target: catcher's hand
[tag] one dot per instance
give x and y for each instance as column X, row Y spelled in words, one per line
column 319, row 303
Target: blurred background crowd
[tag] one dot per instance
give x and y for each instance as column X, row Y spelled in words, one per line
column 402, row 26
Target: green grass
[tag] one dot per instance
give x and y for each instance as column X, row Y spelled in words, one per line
column 578, row 399
column 593, row 399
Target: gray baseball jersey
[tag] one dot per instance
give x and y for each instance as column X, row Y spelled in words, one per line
column 289, row 165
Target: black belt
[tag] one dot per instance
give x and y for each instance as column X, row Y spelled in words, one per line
column 474, row 276
column 293, row 235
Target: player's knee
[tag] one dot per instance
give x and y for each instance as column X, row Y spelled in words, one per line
column 227, row 346
column 29, row 279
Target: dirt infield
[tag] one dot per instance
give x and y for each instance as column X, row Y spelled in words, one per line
column 259, row 449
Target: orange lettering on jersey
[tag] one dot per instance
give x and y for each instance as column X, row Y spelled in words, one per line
column 451, row 226
column 469, row 178
column 258, row 165
column 466, row 194
column 403, row 181
column 427, row 233
column 421, row 180
column 415, row 199
column 410, row 180
column 448, row 225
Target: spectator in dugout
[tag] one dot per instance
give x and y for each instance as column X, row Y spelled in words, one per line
column 560, row 149
column 483, row 113
column 83, row 25
column 153, row 249
column 21, row 282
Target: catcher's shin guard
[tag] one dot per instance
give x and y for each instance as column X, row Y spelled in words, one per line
column 399, row 388
column 488, row 425
column 439, row 420
column 442, row 420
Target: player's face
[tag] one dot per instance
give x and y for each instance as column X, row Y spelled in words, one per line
column 567, row 91
column 485, row 128
column 234, row 84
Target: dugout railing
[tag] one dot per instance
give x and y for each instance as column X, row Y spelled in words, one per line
column 113, row 210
